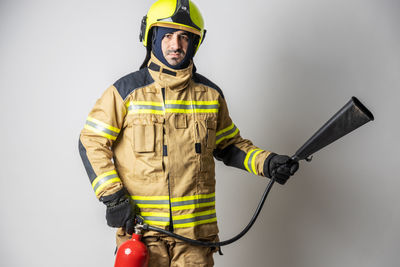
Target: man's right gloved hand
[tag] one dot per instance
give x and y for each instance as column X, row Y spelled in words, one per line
column 120, row 212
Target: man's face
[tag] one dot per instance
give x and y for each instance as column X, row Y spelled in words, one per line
column 174, row 46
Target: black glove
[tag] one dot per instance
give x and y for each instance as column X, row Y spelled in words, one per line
column 120, row 212
column 280, row 167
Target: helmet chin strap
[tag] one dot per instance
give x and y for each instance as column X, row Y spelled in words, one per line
column 158, row 35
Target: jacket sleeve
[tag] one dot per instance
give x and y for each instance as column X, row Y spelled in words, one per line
column 236, row 151
column 101, row 129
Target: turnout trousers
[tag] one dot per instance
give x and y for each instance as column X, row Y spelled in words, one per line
column 165, row 251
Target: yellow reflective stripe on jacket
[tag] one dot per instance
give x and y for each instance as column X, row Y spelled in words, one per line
column 193, row 202
column 227, row 133
column 152, row 202
column 183, row 106
column 249, row 161
column 155, row 214
column 192, row 224
column 166, row 223
column 101, row 128
column 153, row 206
column 177, row 203
column 201, row 196
column 189, row 220
column 145, row 107
column 156, row 218
column 106, row 178
column 172, row 106
column 193, row 206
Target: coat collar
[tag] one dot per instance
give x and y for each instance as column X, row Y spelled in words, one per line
column 168, row 77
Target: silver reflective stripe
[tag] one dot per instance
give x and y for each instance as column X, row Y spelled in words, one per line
column 151, row 201
column 220, row 136
column 178, row 106
column 101, row 128
column 154, row 218
column 104, row 179
column 206, row 106
column 194, row 201
column 196, row 219
column 249, row 159
column 137, row 107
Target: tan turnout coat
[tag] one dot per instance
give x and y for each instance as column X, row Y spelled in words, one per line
column 154, row 132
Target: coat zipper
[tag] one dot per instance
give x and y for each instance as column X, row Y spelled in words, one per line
column 163, row 95
column 171, row 224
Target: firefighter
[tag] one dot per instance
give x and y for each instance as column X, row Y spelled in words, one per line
column 148, row 144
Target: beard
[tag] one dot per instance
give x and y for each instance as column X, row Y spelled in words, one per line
column 174, row 57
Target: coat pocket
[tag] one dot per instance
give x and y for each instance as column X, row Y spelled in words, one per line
column 144, row 138
column 146, row 145
column 211, row 126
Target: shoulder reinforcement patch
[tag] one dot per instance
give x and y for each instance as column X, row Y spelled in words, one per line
column 138, row 79
column 198, row 78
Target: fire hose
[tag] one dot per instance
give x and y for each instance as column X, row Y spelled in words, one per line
column 144, row 226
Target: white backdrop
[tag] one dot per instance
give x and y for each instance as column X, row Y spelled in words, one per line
column 285, row 67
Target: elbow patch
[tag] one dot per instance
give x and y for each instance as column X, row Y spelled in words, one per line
column 231, row 156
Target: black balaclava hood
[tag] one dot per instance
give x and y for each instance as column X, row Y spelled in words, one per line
column 158, row 35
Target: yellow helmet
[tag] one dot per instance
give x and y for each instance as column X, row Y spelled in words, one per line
column 178, row 14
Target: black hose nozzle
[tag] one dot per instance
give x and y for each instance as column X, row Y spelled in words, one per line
column 353, row 115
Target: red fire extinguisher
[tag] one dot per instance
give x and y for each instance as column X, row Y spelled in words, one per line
column 132, row 253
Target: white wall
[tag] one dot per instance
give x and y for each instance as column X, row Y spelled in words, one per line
column 285, row 67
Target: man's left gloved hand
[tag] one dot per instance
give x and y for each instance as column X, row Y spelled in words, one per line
column 280, row 167
column 120, row 212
